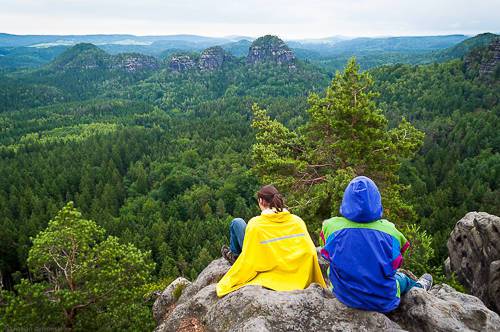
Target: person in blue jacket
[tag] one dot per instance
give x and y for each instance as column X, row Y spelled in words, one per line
column 365, row 252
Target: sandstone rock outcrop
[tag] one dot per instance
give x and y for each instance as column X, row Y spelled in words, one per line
column 270, row 49
column 474, row 249
column 181, row 63
column 492, row 59
column 133, row 62
column 484, row 61
column 213, row 58
column 267, row 49
column 253, row 308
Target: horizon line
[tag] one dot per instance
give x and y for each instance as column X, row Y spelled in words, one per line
column 468, row 34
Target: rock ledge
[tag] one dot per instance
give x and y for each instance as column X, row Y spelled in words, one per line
column 253, row 308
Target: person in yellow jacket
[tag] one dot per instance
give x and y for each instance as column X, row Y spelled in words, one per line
column 274, row 250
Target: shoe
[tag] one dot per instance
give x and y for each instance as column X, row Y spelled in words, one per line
column 425, row 281
column 228, row 255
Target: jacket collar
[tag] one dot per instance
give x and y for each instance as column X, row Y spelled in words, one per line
column 273, row 216
column 271, row 211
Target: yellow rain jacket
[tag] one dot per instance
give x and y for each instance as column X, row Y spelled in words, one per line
column 277, row 253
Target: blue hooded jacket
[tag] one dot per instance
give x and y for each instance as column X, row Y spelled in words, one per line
column 364, row 250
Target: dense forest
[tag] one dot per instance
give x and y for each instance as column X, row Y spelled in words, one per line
column 143, row 163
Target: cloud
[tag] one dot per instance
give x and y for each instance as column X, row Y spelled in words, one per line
column 291, row 19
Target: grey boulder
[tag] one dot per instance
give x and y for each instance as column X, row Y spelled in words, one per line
column 474, row 249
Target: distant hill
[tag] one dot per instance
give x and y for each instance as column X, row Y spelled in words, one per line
column 118, row 39
column 418, row 43
column 11, row 40
column 28, row 57
column 461, row 49
column 81, row 56
column 327, row 40
column 238, row 48
column 358, row 46
column 84, row 70
column 85, row 56
column 374, row 52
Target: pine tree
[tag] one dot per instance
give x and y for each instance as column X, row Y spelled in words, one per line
column 346, row 135
column 83, row 278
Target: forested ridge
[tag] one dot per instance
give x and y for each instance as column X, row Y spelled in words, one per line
column 161, row 160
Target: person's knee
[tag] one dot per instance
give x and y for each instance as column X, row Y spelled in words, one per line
column 238, row 223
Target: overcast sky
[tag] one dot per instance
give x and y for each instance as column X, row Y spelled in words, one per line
column 286, row 18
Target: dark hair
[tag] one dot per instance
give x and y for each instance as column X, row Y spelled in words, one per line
column 271, row 196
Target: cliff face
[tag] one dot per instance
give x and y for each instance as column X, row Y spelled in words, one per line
column 133, row 62
column 484, row 61
column 181, row 63
column 492, row 59
column 253, row 308
column 213, row 58
column 270, row 49
column 474, row 248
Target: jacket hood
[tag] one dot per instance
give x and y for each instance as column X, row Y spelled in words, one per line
column 361, row 201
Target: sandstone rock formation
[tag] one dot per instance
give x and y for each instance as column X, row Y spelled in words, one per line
column 484, row 61
column 474, row 249
column 267, row 49
column 254, row 308
column 213, row 58
column 270, row 49
column 492, row 59
column 181, row 63
column 133, row 62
